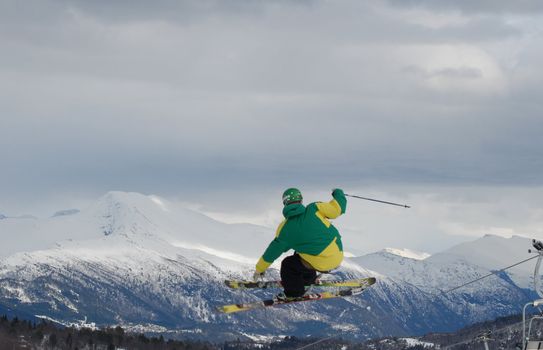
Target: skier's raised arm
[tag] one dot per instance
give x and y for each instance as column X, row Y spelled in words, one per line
column 335, row 207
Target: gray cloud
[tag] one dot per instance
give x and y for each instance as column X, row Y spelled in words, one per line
column 481, row 6
column 180, row 96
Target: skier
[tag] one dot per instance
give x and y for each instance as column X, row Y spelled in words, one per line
column 316, row 242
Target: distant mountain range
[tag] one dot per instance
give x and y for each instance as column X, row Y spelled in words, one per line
column 147, row 264
column 66, row 212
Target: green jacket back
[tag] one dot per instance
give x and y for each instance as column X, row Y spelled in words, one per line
column 307, row 230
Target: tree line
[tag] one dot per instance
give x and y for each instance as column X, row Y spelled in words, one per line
column 24, row 334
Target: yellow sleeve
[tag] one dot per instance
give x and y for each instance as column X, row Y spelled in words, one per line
column 331, row 210
column 274, row 248
column 278, row 232
column 262, row 265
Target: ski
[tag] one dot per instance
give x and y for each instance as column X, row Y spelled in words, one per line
column 353, row 283
column 228, row 309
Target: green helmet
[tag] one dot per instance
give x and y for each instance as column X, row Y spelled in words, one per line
column 292, row 195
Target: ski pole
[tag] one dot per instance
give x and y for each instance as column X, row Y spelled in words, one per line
column 377, row 200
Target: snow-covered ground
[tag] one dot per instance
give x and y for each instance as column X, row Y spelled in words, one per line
column 413, row 342
column 407, row 253
column 457, row 265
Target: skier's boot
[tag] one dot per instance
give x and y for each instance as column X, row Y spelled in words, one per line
column 284, row 298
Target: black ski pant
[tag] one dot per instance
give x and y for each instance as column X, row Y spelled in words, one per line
column 295, row 276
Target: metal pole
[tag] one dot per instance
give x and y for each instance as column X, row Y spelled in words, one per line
column 537, row 284
column 524, row 326
column 530, row 324
column 377, row 200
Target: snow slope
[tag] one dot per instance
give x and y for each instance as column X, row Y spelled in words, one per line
column 407, row 253
column 459, row 264
column 133, row 214
column 494, row 253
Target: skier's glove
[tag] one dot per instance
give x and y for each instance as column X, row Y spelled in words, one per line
column 337, row 191
column 258, row 276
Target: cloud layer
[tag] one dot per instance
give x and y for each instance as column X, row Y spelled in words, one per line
column 194, row 98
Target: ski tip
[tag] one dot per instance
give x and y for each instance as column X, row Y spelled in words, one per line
column 221, row 309
column 228, row 309
column 231, row 284
column 372, row 280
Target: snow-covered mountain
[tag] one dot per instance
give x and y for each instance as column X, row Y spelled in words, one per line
column 140, row 261
column 478, row 257
column 407, row 253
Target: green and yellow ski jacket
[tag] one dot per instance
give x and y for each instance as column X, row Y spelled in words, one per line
column 309, row 232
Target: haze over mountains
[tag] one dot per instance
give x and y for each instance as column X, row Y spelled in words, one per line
column 146, row 263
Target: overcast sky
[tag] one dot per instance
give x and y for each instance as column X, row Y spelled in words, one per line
column 224, row 104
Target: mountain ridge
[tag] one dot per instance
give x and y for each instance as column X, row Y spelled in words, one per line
column 131, row 259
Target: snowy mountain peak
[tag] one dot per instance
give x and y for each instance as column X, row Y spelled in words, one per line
column 126, row 212
column 2, row 216
column 407, row 253
column 135, row 216
column 119, row 198
column 487, row 245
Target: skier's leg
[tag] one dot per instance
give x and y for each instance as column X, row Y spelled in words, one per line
column 292, row 276
column 309, row 276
